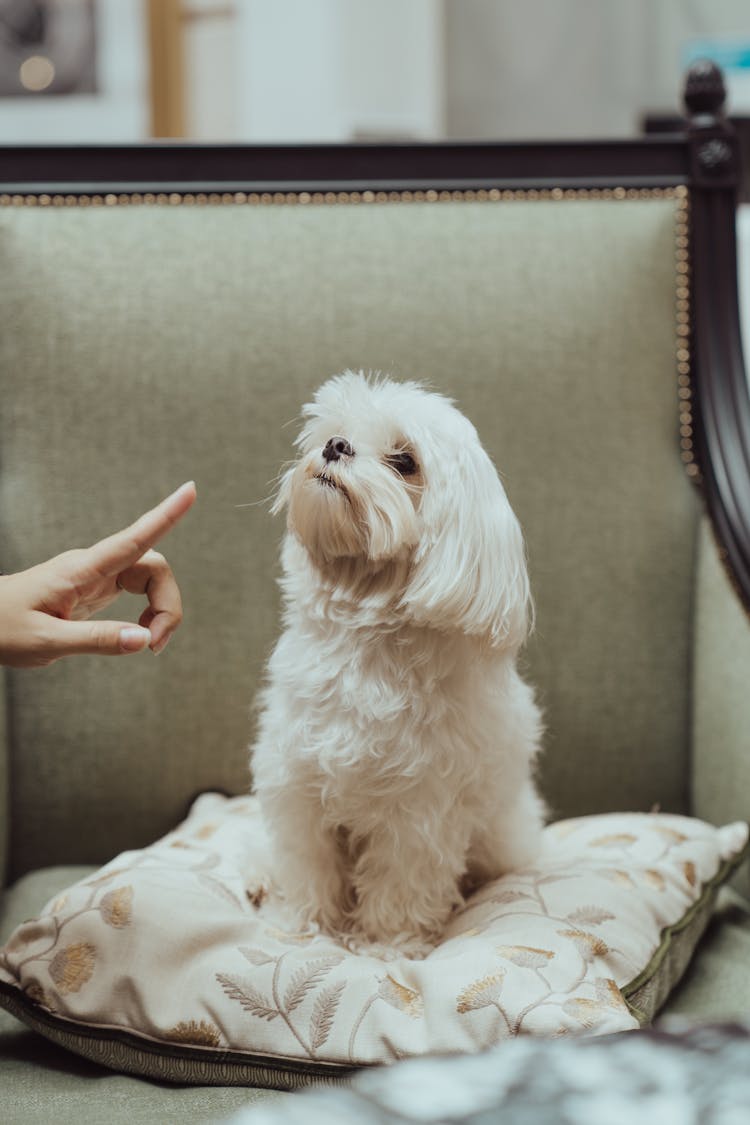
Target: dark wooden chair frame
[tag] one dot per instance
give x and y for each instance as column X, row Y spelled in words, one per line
column 703, row 158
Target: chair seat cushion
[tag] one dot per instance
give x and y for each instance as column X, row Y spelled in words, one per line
column 160, row 964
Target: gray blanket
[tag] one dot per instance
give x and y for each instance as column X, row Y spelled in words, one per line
column 694, row 1077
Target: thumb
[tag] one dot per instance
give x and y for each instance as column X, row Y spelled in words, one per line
column 102, row 638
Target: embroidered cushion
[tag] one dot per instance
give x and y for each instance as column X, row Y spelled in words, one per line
column 161, row 964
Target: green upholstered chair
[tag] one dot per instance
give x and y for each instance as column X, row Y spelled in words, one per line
column 165, row 312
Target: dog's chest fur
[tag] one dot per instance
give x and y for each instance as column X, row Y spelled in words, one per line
column 372, row 715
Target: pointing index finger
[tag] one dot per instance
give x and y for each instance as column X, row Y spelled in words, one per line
column 124, row 548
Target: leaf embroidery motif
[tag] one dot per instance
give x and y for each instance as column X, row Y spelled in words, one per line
column 399, row 996
column 588, row 945
column 256, row 956
column 219, row 889
column 608, row 993
column 590, row 916
column 73, row 967
column 323, row 1014
column 306, row 978
column 525, row 956
column 199, row 1033
column 116, row 907
column 481, row 994
column 248, row 997
column 586, row 1012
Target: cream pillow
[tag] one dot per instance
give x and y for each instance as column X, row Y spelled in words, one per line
column 160, row 964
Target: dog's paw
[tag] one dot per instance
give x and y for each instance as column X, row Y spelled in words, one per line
column 409, row 948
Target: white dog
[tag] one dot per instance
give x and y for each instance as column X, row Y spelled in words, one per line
column 397, row 740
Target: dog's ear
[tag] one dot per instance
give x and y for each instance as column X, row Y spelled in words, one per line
column 469, row 569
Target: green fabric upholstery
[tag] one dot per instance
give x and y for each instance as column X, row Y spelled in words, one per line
column 4, row 780
column 721, row 703
column 41, row 1082
column 716, row 985
column 146, row 345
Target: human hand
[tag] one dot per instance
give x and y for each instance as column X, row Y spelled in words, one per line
column 44, row 610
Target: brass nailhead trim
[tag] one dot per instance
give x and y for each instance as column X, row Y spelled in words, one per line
column 682, row 334
column 679, row 194
column 266, row 198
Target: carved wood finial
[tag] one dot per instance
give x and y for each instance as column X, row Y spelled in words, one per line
column 713, row 142
column 705, row 92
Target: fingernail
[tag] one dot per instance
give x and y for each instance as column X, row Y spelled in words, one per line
column 134, row 638
column 162, row 644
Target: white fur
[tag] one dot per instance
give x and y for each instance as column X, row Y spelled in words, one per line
column 396, row 745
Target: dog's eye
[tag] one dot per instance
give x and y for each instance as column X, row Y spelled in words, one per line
column 403, row 463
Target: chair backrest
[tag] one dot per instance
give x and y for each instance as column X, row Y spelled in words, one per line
column 150, row 339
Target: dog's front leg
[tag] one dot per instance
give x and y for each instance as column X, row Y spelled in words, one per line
column 405, row 886
column 307, row 861
column 507, row 837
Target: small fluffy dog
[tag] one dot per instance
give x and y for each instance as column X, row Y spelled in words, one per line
column 397, row 739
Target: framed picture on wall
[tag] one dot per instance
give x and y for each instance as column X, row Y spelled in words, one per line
column 73, row 71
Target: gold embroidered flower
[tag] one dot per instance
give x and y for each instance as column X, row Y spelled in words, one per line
column 399, row 996
column 116, row 908
column 590, row 916
column 608, row 993
column 198, row 1033
column 588, row 945
column 587, row 1012
column 525, row 956
column 72, row 967
column 481, row 994
column 590, row 1012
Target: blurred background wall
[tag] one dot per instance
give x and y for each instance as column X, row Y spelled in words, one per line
column 336, row 70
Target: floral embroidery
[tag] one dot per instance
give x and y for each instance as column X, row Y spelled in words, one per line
column 116, row 907
column 481, row 994
column 302, row 982
column 73, row 966
column 198, row 1033
column 545, row 950
column 525, row 956
column 400, row 997
column 588, row 945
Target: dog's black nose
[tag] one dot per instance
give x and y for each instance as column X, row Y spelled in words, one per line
column 337, row 447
